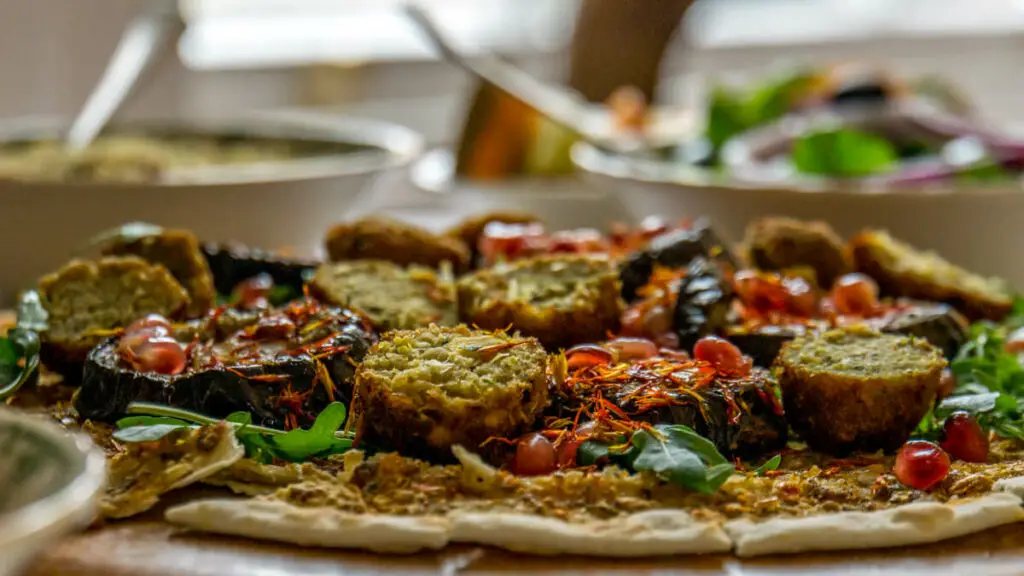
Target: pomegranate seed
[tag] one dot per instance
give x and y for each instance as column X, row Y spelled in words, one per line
column 964, row 439
column 130, row 342
column 587, row 355
column 633, row 321
column 273, row 328
column 1015, row 342
column 723, row 355
column 160, row 355
column 803, row 301
column 567, row 450
column 921, row 464
column 629, row 349
column 855, row 294
column 535, row 456
column 762, row 292
column 500, row 240
column 658, row 320
column 674, row 355
column 947, row 382
column 253, row 292
column 669, row 341
column 150, row 321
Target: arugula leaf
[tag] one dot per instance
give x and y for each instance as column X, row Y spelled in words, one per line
column 771, row 464
column 591, row 453
column 681, row 456
column 261, row 443
column 843, row 153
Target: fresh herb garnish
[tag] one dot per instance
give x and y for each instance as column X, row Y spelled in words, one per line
column 262, row 444
column 675, row 453
column 843, row 153
column 990, row 381
column 772, row 464
column 19, row 351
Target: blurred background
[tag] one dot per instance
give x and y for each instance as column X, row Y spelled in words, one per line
column 364, row 57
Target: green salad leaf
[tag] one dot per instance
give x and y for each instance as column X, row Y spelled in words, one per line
column 843, row 153
column 151, row 422
column 990, row 381
column 675, row 453
column 19, row 351
column 772, row 464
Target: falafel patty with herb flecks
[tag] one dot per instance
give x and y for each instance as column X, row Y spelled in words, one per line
column 471, row 229
column 393, row 298
column 86, row 297
column 777, row 243
column 179, row 251
column 857, row 389
column 377, row 238
column 423, row 391
column 562, row 300
column 904, row 271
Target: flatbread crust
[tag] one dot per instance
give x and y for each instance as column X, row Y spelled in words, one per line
column 648, row 533
column 906, row 525
column 324, row 527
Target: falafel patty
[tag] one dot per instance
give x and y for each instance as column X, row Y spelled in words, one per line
column 377, row 238
column 778, row 243
column 179, row 251
column 423, row 391
column 394, row 298
column 857, row 389
column 562, row 300
column 86, row 297
column 470, row 229
column 904, row 271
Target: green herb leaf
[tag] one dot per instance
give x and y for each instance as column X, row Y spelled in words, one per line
column 844, row 153
column 682, row 457
column 591, row 453
column 772, row 464
column 320, row 439
column 131, row 421
column 147, row 433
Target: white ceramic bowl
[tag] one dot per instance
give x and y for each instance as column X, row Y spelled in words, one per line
column 49, row 484
column 978, row 228
column 562, row 202
column 291, row 203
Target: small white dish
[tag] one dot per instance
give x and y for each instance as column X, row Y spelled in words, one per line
column 50, row 481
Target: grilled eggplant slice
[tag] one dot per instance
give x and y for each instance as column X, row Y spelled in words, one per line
column 939, row 324
column 705, row 298
column 283, row 366
column 234, row 263
column 375, row 238
column 672, row 250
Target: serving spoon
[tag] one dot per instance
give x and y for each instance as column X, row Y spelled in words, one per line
column 142, row 44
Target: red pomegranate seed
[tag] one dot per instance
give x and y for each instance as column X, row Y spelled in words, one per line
column 1015, row 342
column 273, row 328
column 855, row 294
column 535, row 456
column 252, row 293
column 964, row 439
column 587, row 355
column 160, row 355
column 633, row 321
column 629, row 349
column 762, row 292
column 669, row 341
column 501, row 240
column 150, row 321
column 723, row 355
column 567, row 450
column 921, row 464
column 658, row 320
column 132, row 340
column 803, row 301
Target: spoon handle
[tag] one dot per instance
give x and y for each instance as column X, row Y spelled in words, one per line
column 141, row 45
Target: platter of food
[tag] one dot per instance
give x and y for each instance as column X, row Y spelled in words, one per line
column 635, row 396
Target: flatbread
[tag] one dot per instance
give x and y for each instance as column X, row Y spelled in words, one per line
column 649, row 533
column 906, row 525
column 323, row 527
column 137, row 478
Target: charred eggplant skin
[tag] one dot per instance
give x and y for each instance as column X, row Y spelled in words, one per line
column 108, row 387
column 672, row 250
column 233, row 264
column 761, row 427
column 705, row 298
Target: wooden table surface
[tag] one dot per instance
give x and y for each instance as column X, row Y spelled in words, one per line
column 149, row 547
